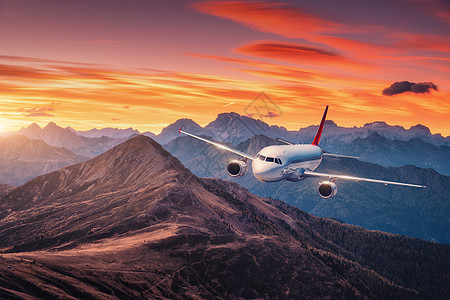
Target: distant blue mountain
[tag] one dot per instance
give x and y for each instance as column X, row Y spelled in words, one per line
column 234, row 128
column 422, row 213
column 386, row 152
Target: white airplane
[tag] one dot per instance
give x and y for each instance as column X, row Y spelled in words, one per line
column 292, row 162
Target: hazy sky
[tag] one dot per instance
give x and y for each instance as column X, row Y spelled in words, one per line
column 147, row 63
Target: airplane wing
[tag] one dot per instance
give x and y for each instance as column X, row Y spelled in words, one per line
column 220, row 146
column 314, row 174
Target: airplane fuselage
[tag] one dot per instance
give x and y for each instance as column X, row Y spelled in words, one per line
column 285, row 162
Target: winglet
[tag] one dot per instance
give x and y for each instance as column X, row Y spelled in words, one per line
column 179, row 130
column 319, row 130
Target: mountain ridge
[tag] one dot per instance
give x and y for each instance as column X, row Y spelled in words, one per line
column 228, row 124
column 22, row 159
column 381, row 150
column 111, row 132
column 57, row 136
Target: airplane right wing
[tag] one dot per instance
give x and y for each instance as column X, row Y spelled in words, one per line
column 220, row 146
column 332, row 176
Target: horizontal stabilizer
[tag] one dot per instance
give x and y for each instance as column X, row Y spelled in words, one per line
column 339, row 155
column 286, row 142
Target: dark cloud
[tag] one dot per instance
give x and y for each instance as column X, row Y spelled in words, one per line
column 280, row 49
column 399, row 87
column 42, row 111
column 271, row 114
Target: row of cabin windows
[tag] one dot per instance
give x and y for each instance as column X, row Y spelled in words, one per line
column 269, row 159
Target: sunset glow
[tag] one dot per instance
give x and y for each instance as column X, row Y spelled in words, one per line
column 145, row 64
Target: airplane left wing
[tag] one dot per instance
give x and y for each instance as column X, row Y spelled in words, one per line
column 218, row 145
column 332, row 176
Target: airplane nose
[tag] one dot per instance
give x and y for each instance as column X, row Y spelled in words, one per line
column 257, row 167
column 260, row 170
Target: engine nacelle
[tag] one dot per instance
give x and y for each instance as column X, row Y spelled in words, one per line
column 327, row 189
column 237, row 168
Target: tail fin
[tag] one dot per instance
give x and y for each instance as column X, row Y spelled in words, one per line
column 319, row 130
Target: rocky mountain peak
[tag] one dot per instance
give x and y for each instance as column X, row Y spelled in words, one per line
column 330, row 123
column 33, row 130
column 34, row 126
column 184, row 123
column 377, row 124
column 51, row 125
column 139, row 163
column 419, row 128
column 227, row 116
column 225, row 119
column 171, row 132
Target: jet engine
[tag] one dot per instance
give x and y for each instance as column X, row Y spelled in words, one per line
column 237, row 168
column 327, row 189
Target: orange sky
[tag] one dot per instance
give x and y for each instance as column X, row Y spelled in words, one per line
column 191, row 59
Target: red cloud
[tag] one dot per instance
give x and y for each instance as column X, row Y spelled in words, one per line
column 301, row 54
column 283, row 51
column 288, row 49
column 278, row 18
column 27, row 73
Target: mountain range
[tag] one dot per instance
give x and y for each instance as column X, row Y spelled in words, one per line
column 114, row 133
column 374, row 142
column 422, row 213
column 22, row 159
column 233, row 128
column 381, row 150
column 133, row 222
column 57, row 136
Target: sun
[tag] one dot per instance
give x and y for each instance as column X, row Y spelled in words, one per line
column 3, row 127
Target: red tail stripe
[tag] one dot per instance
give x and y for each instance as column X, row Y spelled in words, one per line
column 319, row 130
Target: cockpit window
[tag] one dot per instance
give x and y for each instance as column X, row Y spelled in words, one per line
column 269, row 159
